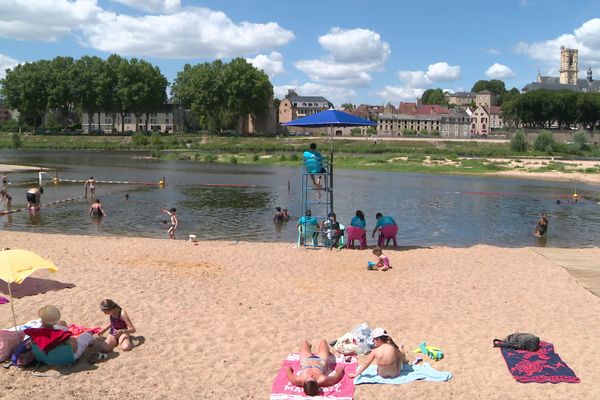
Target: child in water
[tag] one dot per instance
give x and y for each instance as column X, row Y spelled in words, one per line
column 120, row 327
column 383, row 262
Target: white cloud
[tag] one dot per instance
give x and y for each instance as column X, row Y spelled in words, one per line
column 438, row 72
column 271, row 64
column 586, row 39
column 443, row 72
column 154, row 6
column 44, row 20
column 193, row 32
column 352, row 55
column 492, row 51
column 336, row 95
column 499, row 71
column 396, row 93
column 6, row 62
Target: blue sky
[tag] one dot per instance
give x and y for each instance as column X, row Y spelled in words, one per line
column 347, row 51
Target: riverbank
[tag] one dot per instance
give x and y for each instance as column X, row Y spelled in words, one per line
column 217, row 318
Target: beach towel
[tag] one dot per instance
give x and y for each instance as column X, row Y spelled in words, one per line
column 410, row 373
column 4, row 300
column 542, row 366
column 77, row 330
column 283, row 390
column 48, row 338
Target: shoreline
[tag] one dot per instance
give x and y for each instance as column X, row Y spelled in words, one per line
column 217, row 318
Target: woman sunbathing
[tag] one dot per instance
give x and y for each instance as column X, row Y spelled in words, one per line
column 314, row 370
column 388, row 357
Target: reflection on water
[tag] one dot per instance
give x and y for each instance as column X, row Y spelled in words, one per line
column 430, row 209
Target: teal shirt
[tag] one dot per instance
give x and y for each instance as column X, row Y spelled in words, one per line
column 307, row 220
column 358, row 223
column 313, row 161
column 384, row 221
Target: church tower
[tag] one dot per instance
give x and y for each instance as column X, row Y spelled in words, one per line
column 568, row 66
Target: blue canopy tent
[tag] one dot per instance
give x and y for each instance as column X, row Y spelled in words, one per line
column 330, row 118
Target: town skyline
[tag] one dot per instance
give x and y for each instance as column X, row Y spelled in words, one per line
column 335, row 50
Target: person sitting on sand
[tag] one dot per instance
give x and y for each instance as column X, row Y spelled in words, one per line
column 386, row 354
column 314, row 369
column 34, row 198
column 50, row 316
column 542, row 226
column 120, row 327
column 96, row 210
column 383, row 261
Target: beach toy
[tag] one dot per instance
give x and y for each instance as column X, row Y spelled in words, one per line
column 435, row 353
column 192, row 238
column 371, row 265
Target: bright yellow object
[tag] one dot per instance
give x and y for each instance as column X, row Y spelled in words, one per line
column 16, row 265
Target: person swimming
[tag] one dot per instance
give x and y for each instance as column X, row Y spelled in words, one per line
column 542, row 226
column 96, row 210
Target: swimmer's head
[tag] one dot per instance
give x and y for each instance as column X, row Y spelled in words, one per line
column 98, row 201
column 91, row 177
column 278, row 209
column 173, row 209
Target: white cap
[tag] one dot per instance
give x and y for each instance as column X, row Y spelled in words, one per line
column 378, row 332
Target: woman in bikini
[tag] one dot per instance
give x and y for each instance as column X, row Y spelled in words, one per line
column 386, row 354
column 314, row 372
column 120, row 327
column 96, row 210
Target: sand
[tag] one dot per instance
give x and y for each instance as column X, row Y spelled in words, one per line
column 217, row 318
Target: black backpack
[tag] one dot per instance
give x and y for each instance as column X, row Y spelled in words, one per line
column 519, row 341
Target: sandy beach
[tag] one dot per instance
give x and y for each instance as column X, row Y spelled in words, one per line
column 215, row 319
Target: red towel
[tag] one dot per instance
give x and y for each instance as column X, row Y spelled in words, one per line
column 48, row 338
column 77, row 330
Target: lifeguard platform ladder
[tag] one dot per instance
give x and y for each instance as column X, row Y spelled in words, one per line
column 319, row 201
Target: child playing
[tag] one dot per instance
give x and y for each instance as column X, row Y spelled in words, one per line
column 172, row 212
column 383, row 263
column 120, row 327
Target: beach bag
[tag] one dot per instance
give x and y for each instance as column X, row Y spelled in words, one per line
column 519, row 341
column 345, row 345
column 9, row 340
column 361, row 335
column 23, row 356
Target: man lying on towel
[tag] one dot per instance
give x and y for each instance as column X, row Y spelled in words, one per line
column 54, row 332
column 314, row 369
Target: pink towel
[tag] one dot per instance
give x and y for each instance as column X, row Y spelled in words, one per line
column 77, row 330
column 283, row 390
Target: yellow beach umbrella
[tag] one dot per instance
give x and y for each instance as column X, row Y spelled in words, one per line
column 16, row 265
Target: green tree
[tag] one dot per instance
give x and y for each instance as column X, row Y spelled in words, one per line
column 371, row 131
column 580, row 140
column 433, row 96
column 355, row 132
column 588, row 109
column 61, row 89
column 348, row 106
column 495, row 85
column 508, row 96
column 518, row 142
column 86, row 83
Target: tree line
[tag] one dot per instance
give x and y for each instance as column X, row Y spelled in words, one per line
column 547, row 108
column 220, row 95
column 63, row 87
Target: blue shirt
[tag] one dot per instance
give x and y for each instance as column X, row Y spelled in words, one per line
column 384, row 221
column 307, row 220
column 358, row 223
column 313, row 161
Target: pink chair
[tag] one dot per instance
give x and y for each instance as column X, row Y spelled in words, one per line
column 387, row 233
column 355, row 233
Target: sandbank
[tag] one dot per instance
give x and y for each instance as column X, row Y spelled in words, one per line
column 217, row 318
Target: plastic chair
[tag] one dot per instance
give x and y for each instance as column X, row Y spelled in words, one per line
column 359, row 234
column 311, row 232
column 387, row 233
column 60, row 355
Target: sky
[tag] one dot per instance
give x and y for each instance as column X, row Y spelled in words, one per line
column 347, row 51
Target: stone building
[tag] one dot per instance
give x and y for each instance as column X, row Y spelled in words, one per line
column 568, row 79
column 5, row 113
column 460, row 98
column 167, row 119
column 484, row 119
column 294, row 106
column 454, row 123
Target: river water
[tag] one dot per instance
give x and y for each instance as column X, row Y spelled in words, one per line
column 430, row 209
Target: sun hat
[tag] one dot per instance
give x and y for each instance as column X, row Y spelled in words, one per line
column 50, row 315
column 378, row 332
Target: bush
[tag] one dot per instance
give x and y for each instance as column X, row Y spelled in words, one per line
column 210, row 158
column 282, row 157
column 255, row 157
column 12, row 125
column 15, row 140
column 518, row 143
column 580, row 140
column 155, row 139
column 233, row 160
column 294, row 157
column 139, row 139
column 544, row 141
column 355, row 132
